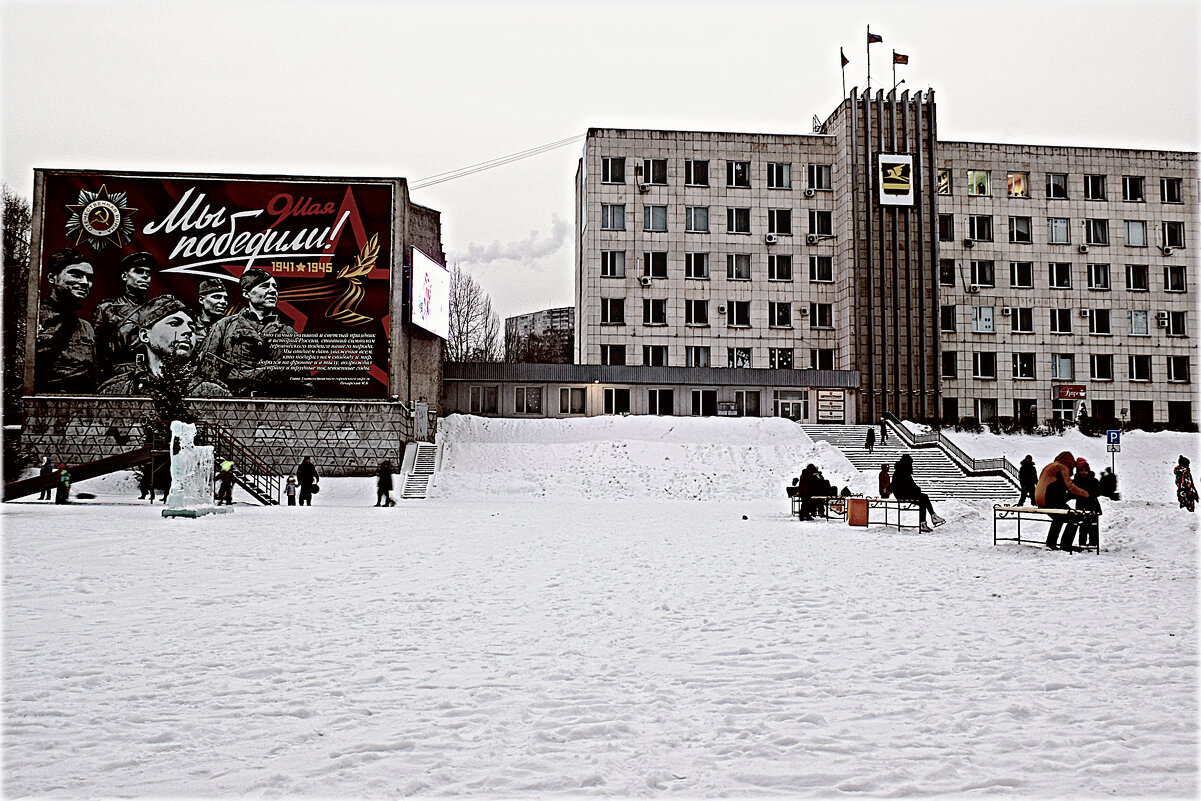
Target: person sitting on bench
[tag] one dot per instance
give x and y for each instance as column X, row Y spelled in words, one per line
column 904, row 488
column 1054, row 487
column 810, row 487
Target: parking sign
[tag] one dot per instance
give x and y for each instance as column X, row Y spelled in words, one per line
column 1113, row 437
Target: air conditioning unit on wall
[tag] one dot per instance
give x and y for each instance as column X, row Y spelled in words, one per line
column 809, row 193
column 771, row 239
column 811, row 239
column 645, row 280
column 1084, row 312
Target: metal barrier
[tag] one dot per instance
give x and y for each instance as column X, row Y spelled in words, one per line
column 937, row 439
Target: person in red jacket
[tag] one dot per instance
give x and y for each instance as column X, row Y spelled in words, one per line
column 884, row 480
column 1054, row 487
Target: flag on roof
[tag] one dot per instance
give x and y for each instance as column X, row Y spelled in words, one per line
column 872, row 38
column 843, row 55
column 899, row 58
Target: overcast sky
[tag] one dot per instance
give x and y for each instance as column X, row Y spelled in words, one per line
column 413, row 90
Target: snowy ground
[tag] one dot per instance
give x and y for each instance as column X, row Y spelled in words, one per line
column 619, row 606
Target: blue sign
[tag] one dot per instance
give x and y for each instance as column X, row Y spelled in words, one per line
column 1113, row 437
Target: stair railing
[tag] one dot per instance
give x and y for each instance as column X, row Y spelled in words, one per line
column 936, row 439
column 248, row 467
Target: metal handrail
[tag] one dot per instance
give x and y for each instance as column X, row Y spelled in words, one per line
column 249, row 469
column 940, row 440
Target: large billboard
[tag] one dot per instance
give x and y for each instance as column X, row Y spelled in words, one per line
column 242, row 286
column 430, row 299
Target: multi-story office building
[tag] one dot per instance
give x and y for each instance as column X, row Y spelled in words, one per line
column 952, row 279
column 544, row 336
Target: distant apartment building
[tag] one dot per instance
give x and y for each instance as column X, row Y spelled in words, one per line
column 545, row 337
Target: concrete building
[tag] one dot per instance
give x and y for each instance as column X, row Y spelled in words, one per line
column 545, row 336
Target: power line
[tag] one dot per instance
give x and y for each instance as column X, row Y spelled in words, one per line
column 451, row 175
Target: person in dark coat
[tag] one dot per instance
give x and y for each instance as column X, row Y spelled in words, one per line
column 808, row 489
column 45, row 469
column 885, row 481
column 383, row 484
column 1028, row 478
column 1053, row 491
column 904, row 488
column 883, row 432
column 225, row 483
column 1109, row 484
column 306, row 475
column 871, row 440
column 1090, row 527
column 1186, row 492
column 62, row 493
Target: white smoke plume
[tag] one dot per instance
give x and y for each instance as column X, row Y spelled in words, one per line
column 533, row 247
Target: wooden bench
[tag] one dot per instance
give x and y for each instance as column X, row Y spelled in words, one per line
column 862, row 516
column 1018, row 514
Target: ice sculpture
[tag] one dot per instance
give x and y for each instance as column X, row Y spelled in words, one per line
column 191, row 492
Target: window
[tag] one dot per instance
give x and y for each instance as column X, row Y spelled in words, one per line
column 484, row 400
column 983, row 320
column 944, row 182
column 950, row 365
column 821, row 315
column 1025, row 409
column 1140, row 368
column 654, row 311
column 946, row 272
column 704, row 403
column 660, row 401
column 654, row 355
column 1096, row 232
column 738, row 173
column 696, row 312
column 527, row 400
column 980, row 227
column 1018, row 182
column 1021, row 274
column 978, row 182
column 613, row 170
column 613, row 354
column 779, row 176
column 1057, row 185
column 1063, row 367
column 1173, row 234
column 779, row 268
column 738, row 357
column 738, row 313
column 1060, row 275
column 779, row 358
column 738, row 266
column 821, row 269
column 984, row 273
column 946, row 319
column 613, row 216
column 984, row 365
column 779, row 315
column 613, row 264
column 654, row 171
column 779, row 221
column 1138, row 320
column 696, row 219
column 1098, row 276
column 746, row 402
column 1177, row 324
column 696, row 355
column 1021, row 320
column 820, row 177
column 1061, row 321
column 654, row 218
column 617, row 400
column 821, row 223
column 571, row 400
column 1100, row 366
column 1058, row 231
column 1019, row 230
column 738, row 221
column 1099, row 321
column 696, row 265
column 613, row 311
column 1138, row 278
column 1178, row 369
column 1170, row 190
column 654, row 264
column 696, row 172
column 1023, row 365
column 1132, row 188
column 1174, row 279
column 821, row 358
column 946, row 228
column 1094, row 187
column 1136, row 233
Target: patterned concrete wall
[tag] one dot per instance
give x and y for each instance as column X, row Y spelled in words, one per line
column 344, row 438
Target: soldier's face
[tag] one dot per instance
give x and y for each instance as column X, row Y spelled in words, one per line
column 137, row 279
column 171, row 336
column 264, row 295
column 214, row 304
column 74, row 281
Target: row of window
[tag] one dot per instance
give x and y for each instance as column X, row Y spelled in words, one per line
column 702, row 356
column 696, row 220
column 653, row 172
column 1100, row 321
column 1096, row 187
column 736, row 312
column 1059, row 231
column 983, row 273
column 660, row 401
column 697, row 266
column 1063, row 366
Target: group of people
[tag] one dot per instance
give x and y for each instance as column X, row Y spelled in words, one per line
column 1065, row 479
column 813, row 490
column 62, row 485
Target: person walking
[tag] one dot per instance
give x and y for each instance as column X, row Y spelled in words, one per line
column 1053, row 491
column 306, row 474
column 1090, row 526
column 904, row 488
column 1186, row 492
column 871, row 440
column 383, row 484
column 1027, row 478
column 885, row 481
column 225, row 483
column 884, row 432
column 45, row 469
column 290, row 490
column 62, row 493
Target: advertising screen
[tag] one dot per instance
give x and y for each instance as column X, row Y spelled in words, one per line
column 430, row 300
column 243, row 287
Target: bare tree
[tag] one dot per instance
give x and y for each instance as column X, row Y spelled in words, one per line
column 474, row 326
column 17, row 220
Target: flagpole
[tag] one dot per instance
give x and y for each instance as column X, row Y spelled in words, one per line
column 894, row 70
column 842, row 58
column 869, row 61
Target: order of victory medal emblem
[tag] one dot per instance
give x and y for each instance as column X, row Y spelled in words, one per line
column 102, row 218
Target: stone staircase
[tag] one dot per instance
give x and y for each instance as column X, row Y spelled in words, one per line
column 935, row 472
column 417, row 480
